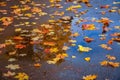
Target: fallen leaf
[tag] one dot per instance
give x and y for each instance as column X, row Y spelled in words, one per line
column 88, row 27
column 104, row 63
column 111, row 57
column 84, row 49
column 105, row 46
column 114, row 64
column 20, row 46
column 37, row 65
column 73, row 57
column 87, row 39
column 13, row 66
column 22, row 76
column 9, row 74
column 12, row 59
column 54, row 50
column 90, row 77
column 105, row 6
column 87, row 59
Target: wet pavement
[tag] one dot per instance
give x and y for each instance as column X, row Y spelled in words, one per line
column 59, row 40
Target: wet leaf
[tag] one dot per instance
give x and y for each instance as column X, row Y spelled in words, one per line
column 12, row 59
column 7, row 20
column 90, row 77
column 87, row 39
column 111, row 57
column 20, row 46
column 114, row 64
column 37, row 65
column 73, row 7
column 65, row 48
column 54, row 50
column 88, row 27
column 87, row 59
column 104, row 63
column 83, row 49
column 73, row 57
column 108, row 63
column 105, row 6
column 13, row 66
column 105, row 46
column 22, row 76
column 9, row 74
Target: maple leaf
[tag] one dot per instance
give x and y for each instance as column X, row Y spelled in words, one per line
column 18, row 29
column 90, row 77
column 104, row 63
column 18, row 38
column 37, row 65
column 87, row 39
column 36, row 10
column 105, row 6
column 65, row 48
column 20, row 46
column 49, row 43
column 75, row 34
column 13, row 67
column 114, row 64
column 22, row 76
column 87, row 59
column 73, row 7
column 12, row 59
column 73, row 57
column 88, row 27
column 111, row 57
column 9, row 74
column 84, row 49
column 22, row 55
column 54, row 50
column 105, row 46
column 110, row 42
column 6, row 20
column 14, row 7
column 105, row 21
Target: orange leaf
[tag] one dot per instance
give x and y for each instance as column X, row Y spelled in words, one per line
column 20, row 46
column 37, row 65
column 18, row 38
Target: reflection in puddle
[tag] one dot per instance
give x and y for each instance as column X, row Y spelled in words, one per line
column 48, row 42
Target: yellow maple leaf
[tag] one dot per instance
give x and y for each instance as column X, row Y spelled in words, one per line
column 22, row 76
column 73, row 7
column 84, row 49
column 54, row 50
column 90, row 77
column 87, row 59
column 104, row 63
